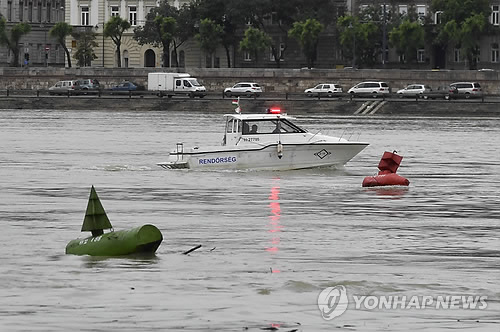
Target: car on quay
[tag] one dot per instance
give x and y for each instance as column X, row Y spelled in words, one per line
column 370, row 88
column 87, row 85
column 249, row 89
column 324, row 89
column 442, row 92
column 126, row 87
column 63, row 87
column 413, row 90
column 468, row 89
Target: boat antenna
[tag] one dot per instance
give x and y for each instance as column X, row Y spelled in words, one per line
column 237, row 103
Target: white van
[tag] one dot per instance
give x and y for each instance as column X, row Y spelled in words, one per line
column 169, row 84
column 373, row 88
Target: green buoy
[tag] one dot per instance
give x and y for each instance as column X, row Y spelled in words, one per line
column 144, row 239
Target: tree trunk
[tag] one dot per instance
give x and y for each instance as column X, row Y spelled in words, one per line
column 119, row 54
column 15, row 59
column 68, row 56
column 166, row 56
column 228, row 56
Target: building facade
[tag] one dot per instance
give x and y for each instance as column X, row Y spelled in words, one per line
column 36, row 48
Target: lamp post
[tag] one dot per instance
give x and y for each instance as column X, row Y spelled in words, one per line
column 353, row 45
column 384, row 36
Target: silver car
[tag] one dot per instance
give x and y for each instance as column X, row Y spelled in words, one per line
column 63, row 87
column 468, row 89
column 324, row 89
column 413, row 90
column 249, row 89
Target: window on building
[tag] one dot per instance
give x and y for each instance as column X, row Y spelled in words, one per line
column 494, row 14
column 48, row 12
column 421, row 12
column 132, row 15
column 280, row 50
column 9, row 11
column 403, row 10
column 477, row 56
column 456, row 55
column 39, row 12
column 274, row 18
column 247, row 56
column 402, row 58
column 115, row 11
column 437, row 17
column 494, row 53
column 421, row 55
column 30, row 11
column 85, row 15
column 21, row 11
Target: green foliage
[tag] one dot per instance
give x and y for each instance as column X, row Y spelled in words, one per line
column 60, row 31
column 11, row 40
column 463, row 22
column 364, row 38
column 407, row 38
column 255, row 41
column 210, row 35
column 307, row 35
column 115, row 28
column 85, row 44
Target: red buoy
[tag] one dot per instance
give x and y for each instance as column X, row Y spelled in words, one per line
column 387, row 176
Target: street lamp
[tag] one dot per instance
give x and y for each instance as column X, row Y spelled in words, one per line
column 384, row 37
column 353, row 45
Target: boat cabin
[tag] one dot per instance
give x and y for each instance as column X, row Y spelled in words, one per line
column 245, row 127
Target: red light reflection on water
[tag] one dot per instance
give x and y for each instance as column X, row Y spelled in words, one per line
column 274, row 219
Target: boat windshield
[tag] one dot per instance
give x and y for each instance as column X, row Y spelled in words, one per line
column 270, row 126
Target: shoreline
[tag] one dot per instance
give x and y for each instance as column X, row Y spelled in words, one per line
column 342, row 107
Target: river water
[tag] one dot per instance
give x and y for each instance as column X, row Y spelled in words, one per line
column 271, row 241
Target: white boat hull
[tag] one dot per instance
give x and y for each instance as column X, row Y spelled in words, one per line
column 294, row 156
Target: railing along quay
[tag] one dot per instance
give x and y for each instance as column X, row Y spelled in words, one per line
column 393, row 97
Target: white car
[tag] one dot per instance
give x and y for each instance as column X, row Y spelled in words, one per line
column 373, row 88
column 249, row 89
column 324, row 89
column 413, row 90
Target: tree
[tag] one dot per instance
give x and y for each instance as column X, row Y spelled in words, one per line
column 461, row 24
column 115, row 28
column 229, row 15
column 159, row 29
column 210, row 35
column 471, row 31
column 307, row 34
column 254, row 42
column 60, row 31
column 85, row 43
column 361, row 38
column 407, row 38
column 12, row 41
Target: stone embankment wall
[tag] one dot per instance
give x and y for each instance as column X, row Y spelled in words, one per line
column 398, row 107
column 272, row 80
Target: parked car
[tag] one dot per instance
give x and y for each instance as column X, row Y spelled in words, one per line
column 63, row 87
column 324, row 89
column 413, row 90
column 468, row 89
column 442, row 92
column 127, row 86
column 249, row 89
column 370, row 88
column 88, row 85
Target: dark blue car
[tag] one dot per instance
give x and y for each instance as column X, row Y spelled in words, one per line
column 126, row 87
